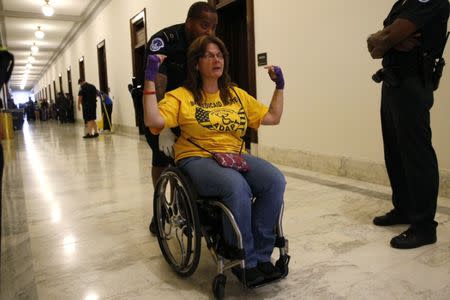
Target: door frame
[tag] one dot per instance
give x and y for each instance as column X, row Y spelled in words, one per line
column 251, row 55
column 100, row 45
column 142, row 15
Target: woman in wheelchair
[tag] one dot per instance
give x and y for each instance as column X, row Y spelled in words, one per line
column 213, row 115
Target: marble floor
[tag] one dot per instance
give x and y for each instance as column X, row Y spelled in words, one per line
column 75, row 219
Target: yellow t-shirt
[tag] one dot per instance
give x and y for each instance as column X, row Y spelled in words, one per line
column 212, row 125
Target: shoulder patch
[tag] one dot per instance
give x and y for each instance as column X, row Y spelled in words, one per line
column 424, row 1
column 157, row 44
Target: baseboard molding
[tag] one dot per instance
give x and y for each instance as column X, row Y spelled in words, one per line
column 373, row 172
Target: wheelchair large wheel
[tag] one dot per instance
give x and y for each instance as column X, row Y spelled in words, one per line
column 176, row 216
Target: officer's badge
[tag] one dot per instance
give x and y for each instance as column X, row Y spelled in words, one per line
column 157, row 44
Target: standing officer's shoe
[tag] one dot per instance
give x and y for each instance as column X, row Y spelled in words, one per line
column 391, row 218
column 413, row 238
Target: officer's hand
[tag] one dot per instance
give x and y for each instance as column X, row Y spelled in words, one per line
column 370, row 46
column 153, row 62
column 375, row 46
column 276, row 75
column 166, row 141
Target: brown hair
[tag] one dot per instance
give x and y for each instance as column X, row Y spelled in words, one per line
column 194, row 80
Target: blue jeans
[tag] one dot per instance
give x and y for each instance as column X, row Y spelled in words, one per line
column 256, row 220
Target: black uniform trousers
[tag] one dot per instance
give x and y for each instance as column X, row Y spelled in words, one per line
column 409, row 155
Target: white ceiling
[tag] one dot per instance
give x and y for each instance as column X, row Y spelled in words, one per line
column 19, row 20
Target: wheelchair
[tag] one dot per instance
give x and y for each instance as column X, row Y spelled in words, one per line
column 182, row 218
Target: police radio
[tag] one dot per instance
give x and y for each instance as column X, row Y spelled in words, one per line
column 439, row 67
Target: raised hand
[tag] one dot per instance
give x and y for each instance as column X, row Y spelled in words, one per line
column 153, row 62
column 276, row 75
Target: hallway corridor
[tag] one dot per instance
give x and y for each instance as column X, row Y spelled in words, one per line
column 75, row 217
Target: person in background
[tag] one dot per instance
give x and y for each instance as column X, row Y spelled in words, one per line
column 87, row 97
column 107, row 109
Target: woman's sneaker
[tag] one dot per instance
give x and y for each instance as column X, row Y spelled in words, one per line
column 252, row 276
column 268, row 270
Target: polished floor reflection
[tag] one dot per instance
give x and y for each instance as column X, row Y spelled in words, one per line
column 75, row 226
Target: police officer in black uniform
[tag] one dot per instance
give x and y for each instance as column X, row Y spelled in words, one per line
column 173, row 42
column 413, row 38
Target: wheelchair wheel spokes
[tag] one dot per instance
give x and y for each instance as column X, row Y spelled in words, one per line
column 164, row 218
column 177, row 221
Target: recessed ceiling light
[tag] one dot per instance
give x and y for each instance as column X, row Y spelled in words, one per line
column 28, row 66
column 47, row 10
column 39, row 33
column 34, row 48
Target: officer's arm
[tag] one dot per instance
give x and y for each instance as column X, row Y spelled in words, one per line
column 381, row 42
column 160, row 85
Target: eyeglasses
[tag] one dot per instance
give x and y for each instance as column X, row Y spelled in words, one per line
column 211, row 56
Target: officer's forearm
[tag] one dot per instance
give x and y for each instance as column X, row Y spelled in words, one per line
column 160, row 85
column 152, row 116
column 273, row 116
column 382, row 41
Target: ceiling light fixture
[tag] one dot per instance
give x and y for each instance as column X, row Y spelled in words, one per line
column 28, row 66
column 34, row 48
column 47, row 10
column 39, row 33
column 31, row 58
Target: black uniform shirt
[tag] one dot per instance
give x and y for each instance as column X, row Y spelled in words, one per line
column 430, row 18
column 89, row 94
column 172, row 42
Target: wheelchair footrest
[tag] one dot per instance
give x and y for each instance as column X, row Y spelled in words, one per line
column 282, row 264
column 265, row 282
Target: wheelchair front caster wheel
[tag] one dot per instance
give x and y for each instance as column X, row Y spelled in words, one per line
column 218, row 286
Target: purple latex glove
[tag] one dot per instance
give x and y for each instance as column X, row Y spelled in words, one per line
column 152, row 67
column 277, row 76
